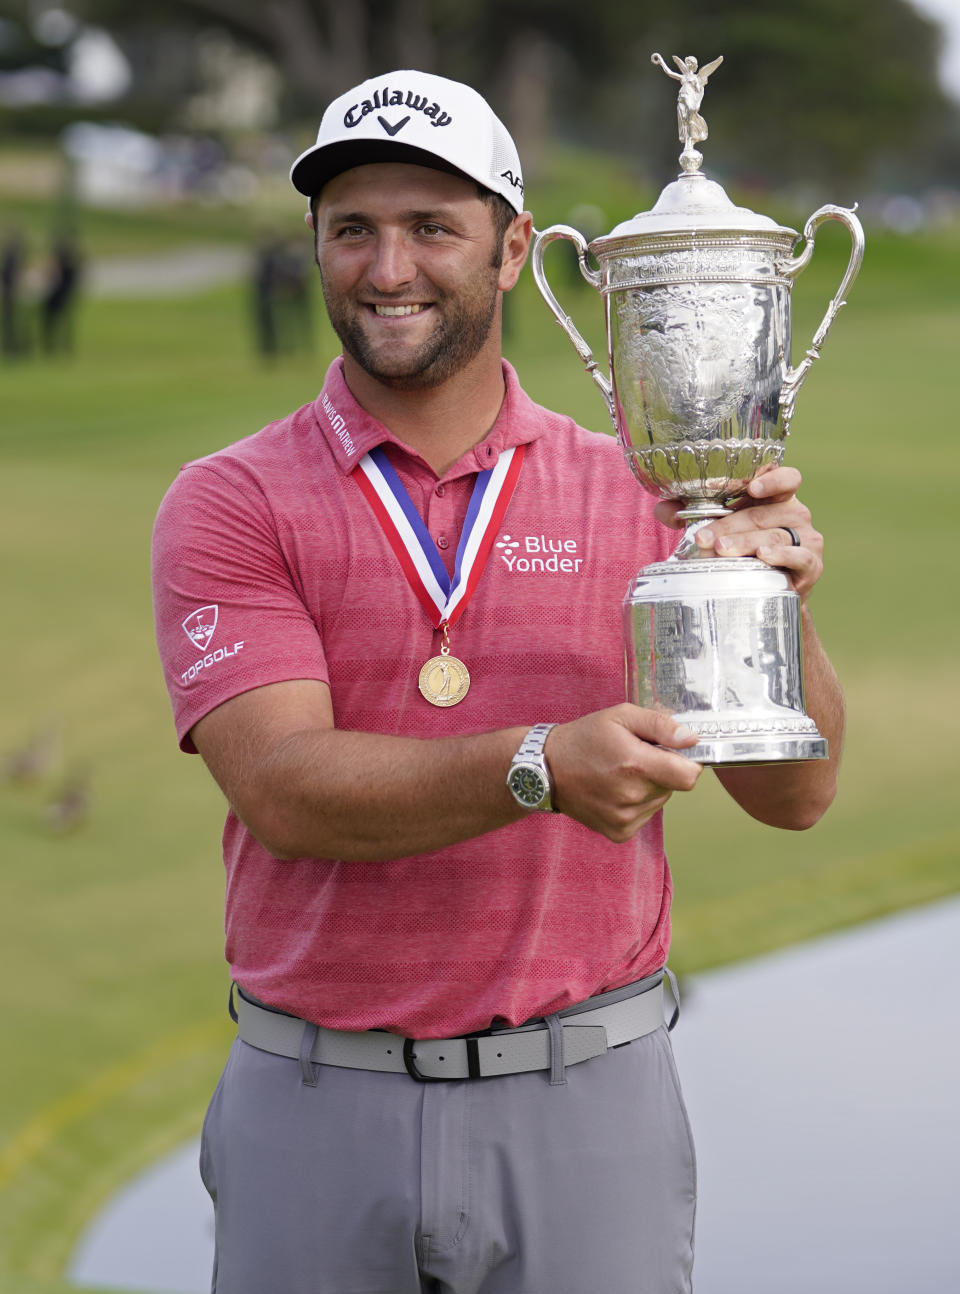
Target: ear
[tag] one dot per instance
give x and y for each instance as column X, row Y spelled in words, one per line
column 308, row 218
column 516, row 245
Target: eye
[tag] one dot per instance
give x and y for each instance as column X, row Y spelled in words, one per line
column 431, row 230
column 351, row 231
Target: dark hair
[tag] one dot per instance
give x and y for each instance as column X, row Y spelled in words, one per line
column 502, row 215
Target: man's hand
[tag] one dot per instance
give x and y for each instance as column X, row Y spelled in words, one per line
column 793, row 796
column 609, row 770
column 756, row 528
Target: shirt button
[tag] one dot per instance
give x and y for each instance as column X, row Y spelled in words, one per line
column 440, row 491
column 443, row 542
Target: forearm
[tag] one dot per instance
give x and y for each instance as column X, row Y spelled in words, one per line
column 306, row 789
column 366, row 797
column 795, row 796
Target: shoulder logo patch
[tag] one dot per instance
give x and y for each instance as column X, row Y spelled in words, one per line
column 200, row 626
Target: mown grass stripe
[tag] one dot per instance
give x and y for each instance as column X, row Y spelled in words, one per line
column 103, row 1087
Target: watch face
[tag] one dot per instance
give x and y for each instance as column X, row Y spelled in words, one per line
column 528, row 784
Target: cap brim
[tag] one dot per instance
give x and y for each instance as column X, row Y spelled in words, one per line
column 318, row 165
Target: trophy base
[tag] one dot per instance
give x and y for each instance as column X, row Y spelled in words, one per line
column 716, row 643
column 758, row 750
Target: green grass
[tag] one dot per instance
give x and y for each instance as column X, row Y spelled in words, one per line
column 112, row 986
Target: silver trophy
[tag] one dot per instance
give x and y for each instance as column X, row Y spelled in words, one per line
column 701, row 392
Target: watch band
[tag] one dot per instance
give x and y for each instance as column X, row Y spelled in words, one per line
column 533, row 743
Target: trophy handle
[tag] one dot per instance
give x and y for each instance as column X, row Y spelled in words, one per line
column 562, row 318
column 793, row 377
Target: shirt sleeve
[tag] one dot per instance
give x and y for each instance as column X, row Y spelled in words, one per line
column 229, row 614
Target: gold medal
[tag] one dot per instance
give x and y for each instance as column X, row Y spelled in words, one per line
column 444, row 680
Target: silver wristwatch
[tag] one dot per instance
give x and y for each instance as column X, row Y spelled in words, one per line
column 529, row 777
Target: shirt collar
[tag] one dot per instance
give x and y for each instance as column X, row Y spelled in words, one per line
column 351, row 432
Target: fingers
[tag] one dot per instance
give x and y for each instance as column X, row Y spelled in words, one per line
column 625, row 822
column 776, row 483
column 803, row 565
column 758, row 525
column 613, row 770
column 762, row 531
column 623, row 752
column 653, row 726
column 651, row 761
column 743, row 533
column 773, row 485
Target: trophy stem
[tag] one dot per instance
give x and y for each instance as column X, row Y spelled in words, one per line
column 697, row 516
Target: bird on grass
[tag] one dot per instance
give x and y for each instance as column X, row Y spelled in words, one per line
column 32, row 761
column 70, row 808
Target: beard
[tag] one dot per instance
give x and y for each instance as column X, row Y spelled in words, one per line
column 462, row 326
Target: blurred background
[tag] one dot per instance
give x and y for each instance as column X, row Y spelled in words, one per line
column 159, row 301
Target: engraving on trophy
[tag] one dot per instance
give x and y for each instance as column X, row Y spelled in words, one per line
column 710, row 261
column 713, row 410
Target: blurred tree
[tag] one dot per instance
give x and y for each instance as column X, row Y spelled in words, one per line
column 819, row 89
column 810, row 88
column 20, row 48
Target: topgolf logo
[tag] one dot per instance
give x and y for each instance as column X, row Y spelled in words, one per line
column 201, row 625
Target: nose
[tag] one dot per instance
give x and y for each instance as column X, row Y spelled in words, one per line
column 393, row 266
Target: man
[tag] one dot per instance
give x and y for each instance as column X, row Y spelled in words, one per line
column 410, row 595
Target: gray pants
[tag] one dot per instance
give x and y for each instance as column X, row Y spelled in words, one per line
column 372, row 1183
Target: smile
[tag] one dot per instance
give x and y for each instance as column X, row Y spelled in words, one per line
column 392, row 312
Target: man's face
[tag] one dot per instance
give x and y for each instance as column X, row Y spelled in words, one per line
column 410, row 270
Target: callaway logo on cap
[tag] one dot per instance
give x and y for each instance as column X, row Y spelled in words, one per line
column 413, row 117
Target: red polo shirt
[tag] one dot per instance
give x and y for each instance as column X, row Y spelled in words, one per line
column 269, row 565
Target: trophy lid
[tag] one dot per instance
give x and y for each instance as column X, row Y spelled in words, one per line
column 693, row 203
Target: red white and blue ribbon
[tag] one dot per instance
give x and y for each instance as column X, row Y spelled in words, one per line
column 444, row 598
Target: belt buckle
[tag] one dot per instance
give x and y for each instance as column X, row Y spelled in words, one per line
column 410, row 1062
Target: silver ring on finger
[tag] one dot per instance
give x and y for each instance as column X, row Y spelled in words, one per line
column 794, row 535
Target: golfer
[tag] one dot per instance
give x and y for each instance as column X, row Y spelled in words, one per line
column 447, row 904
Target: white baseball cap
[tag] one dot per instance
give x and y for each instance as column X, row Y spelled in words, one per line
column 413, row 117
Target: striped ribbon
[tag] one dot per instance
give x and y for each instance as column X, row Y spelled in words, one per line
column 444, row 598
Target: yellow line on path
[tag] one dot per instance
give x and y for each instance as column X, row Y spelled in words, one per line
column 109, row 1083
